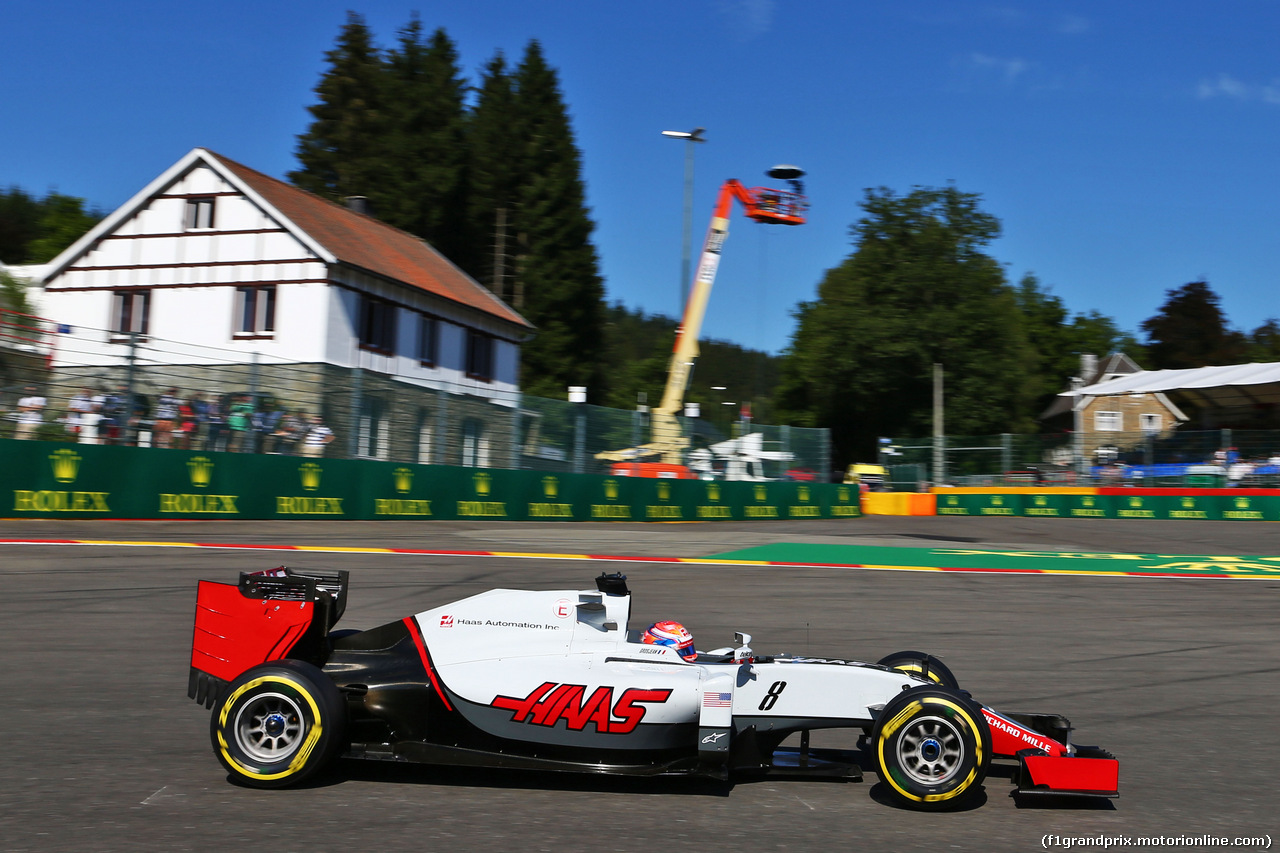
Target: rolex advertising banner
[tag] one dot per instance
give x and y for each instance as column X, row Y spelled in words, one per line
column 53, row 480
column 989, row 503
column 1170, row 504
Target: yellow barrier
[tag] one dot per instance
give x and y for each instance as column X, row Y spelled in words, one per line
column 898, row 503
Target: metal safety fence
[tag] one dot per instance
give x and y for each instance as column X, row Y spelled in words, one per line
column 1200, row 458
column 99, row 387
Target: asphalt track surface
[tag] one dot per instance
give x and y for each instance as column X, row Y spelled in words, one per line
column 1179, row 677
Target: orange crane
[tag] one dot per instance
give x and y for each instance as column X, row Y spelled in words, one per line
column 667, row 442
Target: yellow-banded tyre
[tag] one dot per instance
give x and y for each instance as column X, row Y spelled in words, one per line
column 277, row 724
column 921, row 665
column 932, row 748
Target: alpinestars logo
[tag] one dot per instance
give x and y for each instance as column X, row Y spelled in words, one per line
column 549, row 703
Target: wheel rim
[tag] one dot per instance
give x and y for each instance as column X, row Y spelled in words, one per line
column 269, row 727
column 930, row 750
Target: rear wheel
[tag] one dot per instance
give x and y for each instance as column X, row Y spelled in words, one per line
column 277, row 724
column 932, row 748
column 922, row 665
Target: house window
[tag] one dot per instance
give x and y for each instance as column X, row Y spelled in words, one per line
column 131, row 312
column 426, row 434
column 1108, row 421
column 372, row 434
column 199, row 213
column 475, row 445
column 479, row 355
column 377, row 326
column 256, row 310
column 428, row 339
column 1149, row 423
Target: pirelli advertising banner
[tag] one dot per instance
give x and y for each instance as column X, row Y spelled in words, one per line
column 52, row 480
column 1170, row 504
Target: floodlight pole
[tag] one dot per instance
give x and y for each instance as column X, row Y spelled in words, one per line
column 689, row 137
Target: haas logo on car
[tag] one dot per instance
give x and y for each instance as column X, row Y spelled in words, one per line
column 550, row 702
column 446, row 621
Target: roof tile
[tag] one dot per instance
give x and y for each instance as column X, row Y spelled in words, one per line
column 362, row 241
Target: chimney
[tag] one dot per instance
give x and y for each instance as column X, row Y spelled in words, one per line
column 359, row 203
column 1088, row 366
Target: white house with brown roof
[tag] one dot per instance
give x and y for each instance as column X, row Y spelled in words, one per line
column 216, row 278
column 214, row 254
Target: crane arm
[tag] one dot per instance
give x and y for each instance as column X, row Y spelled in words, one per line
column 774, row 206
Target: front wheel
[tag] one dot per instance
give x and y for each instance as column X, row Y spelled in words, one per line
column 932, row 748
column 277, row 724
column 922, row 665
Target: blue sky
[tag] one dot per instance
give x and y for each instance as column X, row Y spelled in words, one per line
column 1127, row 148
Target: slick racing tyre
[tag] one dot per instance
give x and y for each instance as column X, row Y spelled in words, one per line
column 920, row 664
column 932, row 748
column 277, row 724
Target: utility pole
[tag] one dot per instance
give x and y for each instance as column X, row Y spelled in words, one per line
column 939, row 433
column 500, row 254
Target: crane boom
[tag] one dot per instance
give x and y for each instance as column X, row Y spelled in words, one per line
column 781, row 207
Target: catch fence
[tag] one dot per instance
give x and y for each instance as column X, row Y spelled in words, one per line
column 1219, row 457
column 157, row 393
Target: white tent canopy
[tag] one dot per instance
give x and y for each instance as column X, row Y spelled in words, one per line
column 1227, row 386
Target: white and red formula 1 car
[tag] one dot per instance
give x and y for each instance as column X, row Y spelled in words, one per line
column 554, row 680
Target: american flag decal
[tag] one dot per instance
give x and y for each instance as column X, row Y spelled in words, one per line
column 717, row 700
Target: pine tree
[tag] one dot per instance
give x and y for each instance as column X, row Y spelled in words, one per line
column 426, row 152
column 395, row 128
column 558, row 269
column 1190, row 330
column 495, row 152
column 343, row 152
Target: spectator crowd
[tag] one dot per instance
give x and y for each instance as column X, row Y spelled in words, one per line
column 237, row 423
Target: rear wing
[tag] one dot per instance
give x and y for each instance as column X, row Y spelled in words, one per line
column 327, row 590
column 269, row 615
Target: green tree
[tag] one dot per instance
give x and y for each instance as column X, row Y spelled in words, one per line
column 63, row 220
column 343, row 152
column 918, row 290
column 1190, row 330
column 1051, row 345
column 1096, row 333
column 13, row 294
column 1264, row 343
column 19, row 224
column 638, row 353
column 1057, row 341
column 425, row 143
column 558, row 270
column 495, row 154
column 34, row 231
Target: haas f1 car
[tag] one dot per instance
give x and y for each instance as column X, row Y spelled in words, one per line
column 555, row 681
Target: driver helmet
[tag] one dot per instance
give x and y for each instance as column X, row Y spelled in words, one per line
column 673, row 634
